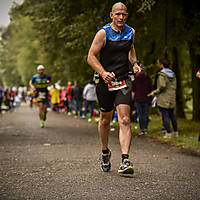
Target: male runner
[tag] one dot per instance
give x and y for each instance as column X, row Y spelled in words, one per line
column 114, row 42
column 39, row 84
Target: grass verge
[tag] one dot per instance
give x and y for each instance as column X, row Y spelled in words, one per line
column 188, row 133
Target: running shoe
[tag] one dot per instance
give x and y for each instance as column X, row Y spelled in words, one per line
column 163, row 130
column 105, row 162
column 126, row 167
column 143, row 132
column 167, row 135
column 175, row 133
column 42, row 123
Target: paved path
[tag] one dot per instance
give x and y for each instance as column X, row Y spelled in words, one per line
column 61, row 162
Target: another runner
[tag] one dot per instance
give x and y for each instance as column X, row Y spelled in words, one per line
column 115, row 44
column 39, row 84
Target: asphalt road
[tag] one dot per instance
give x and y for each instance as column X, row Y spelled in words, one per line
column 62, row 160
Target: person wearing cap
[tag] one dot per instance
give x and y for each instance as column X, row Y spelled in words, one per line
column 39, row 84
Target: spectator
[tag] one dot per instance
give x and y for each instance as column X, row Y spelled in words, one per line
column 76, row 94
column 89, row 95
column 63, row 101
column 142, row 86
column 55, row 98
column 17, row 100
column 29, row 97
column 7, row 99
column 198, row 76
column 166, row 92
column 1, row 96
column 11, row 94
column 154, row 101
column 69, row 97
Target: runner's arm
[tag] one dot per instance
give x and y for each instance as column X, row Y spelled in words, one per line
column 31, row 85
column 162, row 86
column 49, row 79
column 132, row 56
column 96, row 46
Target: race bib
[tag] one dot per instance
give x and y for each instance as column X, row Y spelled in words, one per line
column 116, row 85
column 42, row 95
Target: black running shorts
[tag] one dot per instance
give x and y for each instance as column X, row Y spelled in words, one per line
column 109, row 99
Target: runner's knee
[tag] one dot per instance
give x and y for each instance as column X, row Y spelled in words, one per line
column 105, row 122
column 125, row 120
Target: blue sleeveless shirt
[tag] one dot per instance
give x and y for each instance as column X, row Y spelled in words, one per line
column 114, row 54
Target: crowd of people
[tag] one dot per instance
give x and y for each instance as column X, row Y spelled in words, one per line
column 75, row 100
column 82, row 102
column 10, row 98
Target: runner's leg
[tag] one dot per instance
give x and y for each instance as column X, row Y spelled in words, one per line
column 44, row 111
column 40, row 105
column 123, row 111
column 41, row 114
column 104, row 128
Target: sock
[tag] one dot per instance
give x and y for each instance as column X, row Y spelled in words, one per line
column 105, row 151
column 124, row 156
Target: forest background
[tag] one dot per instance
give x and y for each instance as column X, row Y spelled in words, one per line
column 58, row 35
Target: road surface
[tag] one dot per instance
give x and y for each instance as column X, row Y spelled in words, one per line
column 62, row 161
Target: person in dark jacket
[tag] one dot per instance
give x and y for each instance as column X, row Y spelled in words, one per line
column 142, row 86
column 76, row 94
column 1, row 96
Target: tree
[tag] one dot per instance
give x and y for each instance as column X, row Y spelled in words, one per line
column 19, row 52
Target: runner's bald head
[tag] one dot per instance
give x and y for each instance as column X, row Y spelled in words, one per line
column 120, row 6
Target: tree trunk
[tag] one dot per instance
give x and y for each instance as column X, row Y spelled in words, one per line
column 195, row 62
column 179, row 92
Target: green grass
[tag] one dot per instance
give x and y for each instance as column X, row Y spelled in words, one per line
column 188, row 133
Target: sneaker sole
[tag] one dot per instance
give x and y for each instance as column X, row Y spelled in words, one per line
column 128, row 170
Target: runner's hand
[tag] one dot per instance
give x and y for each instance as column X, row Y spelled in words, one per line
column 136, row 68
column 151, row 94
column 34, row 89
column 107, row 76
